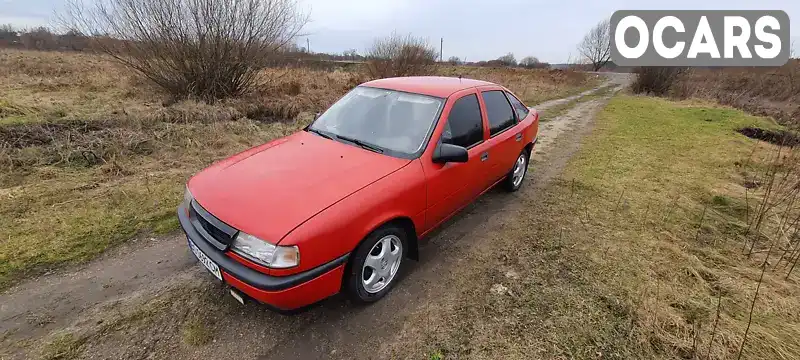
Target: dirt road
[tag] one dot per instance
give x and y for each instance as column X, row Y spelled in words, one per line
column 149, row 299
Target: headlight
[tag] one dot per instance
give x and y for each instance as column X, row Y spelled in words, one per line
column 264, row 253
column 187, row 198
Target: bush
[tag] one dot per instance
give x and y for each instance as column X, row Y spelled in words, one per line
column 531, row 62
column 208, row 49
column 765, row 91
column 508, row 60
column 655, row 80
column 400, row 55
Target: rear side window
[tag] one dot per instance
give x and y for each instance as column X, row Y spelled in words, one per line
column 522, row 110
column 498, row 110
column 464, row 126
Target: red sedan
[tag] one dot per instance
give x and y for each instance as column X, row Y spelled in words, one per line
column 342, row 205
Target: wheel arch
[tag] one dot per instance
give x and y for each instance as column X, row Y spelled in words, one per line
column 405, row 223
column 529, row 148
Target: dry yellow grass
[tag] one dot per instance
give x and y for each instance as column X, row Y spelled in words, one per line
column 91, row 155
column 772, row 91
column 532, row 86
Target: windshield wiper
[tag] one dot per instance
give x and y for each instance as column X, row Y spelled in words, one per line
column 362, row 144
column 320, row 133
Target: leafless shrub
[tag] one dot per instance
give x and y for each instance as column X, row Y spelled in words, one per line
column 508, row 60
column 596, row 45
column 454, row 60
column 209, row 49
column 400, row 55
column 655, row 80
column 532, row 62
column 8, row 36
column 38, row 39
column 781, row 179
column 771, row 91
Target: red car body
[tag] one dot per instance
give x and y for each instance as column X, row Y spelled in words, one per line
column 326, row 196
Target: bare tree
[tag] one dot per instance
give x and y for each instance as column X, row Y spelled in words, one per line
column 508, row 60
column 596, row 45
column 8, row 35
column 209, row 49
column 401, row 55
column 532, row 62
column 351, row 54
column 454, row 60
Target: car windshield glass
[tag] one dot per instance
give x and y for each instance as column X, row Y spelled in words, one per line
column 382, row 119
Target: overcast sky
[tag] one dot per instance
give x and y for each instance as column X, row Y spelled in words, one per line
column 472, row 29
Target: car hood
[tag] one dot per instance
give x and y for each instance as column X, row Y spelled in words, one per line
column 269, row 190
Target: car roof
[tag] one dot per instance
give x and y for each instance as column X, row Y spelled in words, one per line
column 439, row 86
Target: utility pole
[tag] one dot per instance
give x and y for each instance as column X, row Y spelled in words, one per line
column 441, row 50
column 308, row 46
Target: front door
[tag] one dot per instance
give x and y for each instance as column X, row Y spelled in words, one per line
column 452, row 186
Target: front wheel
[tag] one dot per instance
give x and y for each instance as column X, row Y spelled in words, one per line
column 514, row 178
column 376, row 264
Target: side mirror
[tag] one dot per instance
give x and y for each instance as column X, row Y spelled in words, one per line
column 446, row 153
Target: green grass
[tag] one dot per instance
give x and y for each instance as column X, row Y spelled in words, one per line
column 436, row 355
column 63, row 346
column 613, row 259
column 657, row 147
column 195, row 332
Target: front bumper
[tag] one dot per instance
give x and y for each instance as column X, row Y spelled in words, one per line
column 281, row 292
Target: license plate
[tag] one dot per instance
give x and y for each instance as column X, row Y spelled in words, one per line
column 210, row 265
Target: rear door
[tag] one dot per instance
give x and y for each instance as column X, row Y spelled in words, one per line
column 505, row 137
column 452, row 186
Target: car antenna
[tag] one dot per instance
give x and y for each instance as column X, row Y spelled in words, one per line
column 459, row 77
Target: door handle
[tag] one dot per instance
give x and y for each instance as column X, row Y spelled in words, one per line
column 519, row 137
column 485, row 156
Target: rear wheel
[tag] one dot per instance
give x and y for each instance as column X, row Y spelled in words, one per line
column 517, row 174
column 376, row 264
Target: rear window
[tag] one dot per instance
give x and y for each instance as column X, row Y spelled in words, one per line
column 519, row 107
column 498, row 111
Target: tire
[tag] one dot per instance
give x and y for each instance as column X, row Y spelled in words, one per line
column 368, row 261
column 511, row 182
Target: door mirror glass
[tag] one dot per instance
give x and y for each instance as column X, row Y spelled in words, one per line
column 446, row 153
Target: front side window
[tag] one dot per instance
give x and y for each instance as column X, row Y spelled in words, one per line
column 498, row 111
column 464, row 126
column 393, row 122
column 519, row 107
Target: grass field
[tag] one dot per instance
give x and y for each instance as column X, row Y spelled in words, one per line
column 91, row 156
column 629, row 254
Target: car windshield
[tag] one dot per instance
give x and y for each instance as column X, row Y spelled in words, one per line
column 380, row 120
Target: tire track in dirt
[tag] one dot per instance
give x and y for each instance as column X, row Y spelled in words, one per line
column 135, row 273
